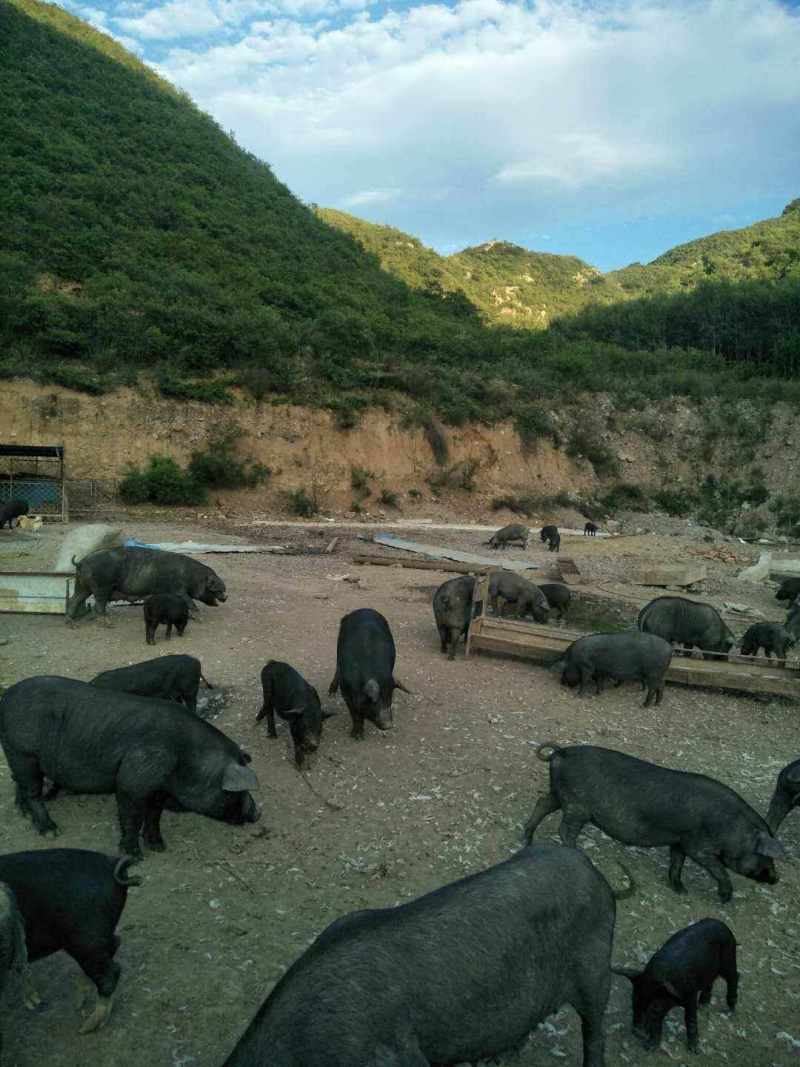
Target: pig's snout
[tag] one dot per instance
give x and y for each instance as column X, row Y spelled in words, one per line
column 770, row 876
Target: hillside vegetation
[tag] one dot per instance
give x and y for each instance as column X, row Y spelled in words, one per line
column 508, row 284
column 140, row 241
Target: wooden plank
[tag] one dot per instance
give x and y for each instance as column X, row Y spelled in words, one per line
column 480, row 595
column 448, row 566
column 669, row 574
column 35, row 592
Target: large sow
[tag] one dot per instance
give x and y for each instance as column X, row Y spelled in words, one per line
column 70, row 900
column 786, row 795
column 625, row 657
column 686, row 622
column 459, row 975
column 639, row 803
column 150, row 753
column 135, row 573
column 452, row 610
column 365, row 656
column 174, row 678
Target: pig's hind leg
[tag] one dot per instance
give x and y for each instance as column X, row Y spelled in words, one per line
column 29, row 781
column 731, row 976
column 545, row 805
column 677, row 858
column 103, row 971
column 151, row 832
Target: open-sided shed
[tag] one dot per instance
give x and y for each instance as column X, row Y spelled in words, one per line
column 34, row 473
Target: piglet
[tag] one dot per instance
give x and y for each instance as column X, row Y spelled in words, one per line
column 686, row 965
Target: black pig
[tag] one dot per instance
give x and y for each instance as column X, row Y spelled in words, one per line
column 134, row 573
column 789, row 589
column 515, row 531
column 686, row 965
column 13, row 953
column 624, row 657
column 590, row 530
column 452, row 610
column 459, row 975
column 686, row 622
column 70, row 900
column 639, row 803
column 11, row 510
column 558, row 597
column 551, row 535
column 774, row 639
column 174, row 678
column 786, row 795
column 512, row 588
column 150, row 753
column 168, row 609
column 365, row 656
column 287, row 692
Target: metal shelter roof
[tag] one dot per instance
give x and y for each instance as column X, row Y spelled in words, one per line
column 41, row 451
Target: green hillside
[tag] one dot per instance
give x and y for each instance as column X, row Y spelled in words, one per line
column 512, row 285
column 765, row 251
column 137, row 235
column 509, row 284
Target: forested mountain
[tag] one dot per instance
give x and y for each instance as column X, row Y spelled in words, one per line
column 509, row 284
column 513, row 285
column 140, row 242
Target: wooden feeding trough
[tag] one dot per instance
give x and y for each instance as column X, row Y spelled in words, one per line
column 545, row 644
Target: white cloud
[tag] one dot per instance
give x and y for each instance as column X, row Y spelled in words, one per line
column 504, row 114
column 371, row 196
column 179, row 18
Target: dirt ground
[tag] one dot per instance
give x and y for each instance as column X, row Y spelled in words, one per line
column 225, row 910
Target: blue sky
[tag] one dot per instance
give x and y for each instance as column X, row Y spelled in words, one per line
column 609, row 129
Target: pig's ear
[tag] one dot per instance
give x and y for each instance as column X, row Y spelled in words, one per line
column 238, row 779
column 372, row 689
column 399, row 685
column 292, row 713
column 766, row 845
column 626, row 972
column 328, row 713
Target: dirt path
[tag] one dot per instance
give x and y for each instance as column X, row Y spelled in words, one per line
column 224, row 911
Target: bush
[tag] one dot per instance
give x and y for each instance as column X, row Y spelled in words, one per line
column 359, row 479
column 304, row 505
column 212, row 391
column 521, row 505
column 459, row 476
column 751, row 524
column 162, row 482
column 532, row 423
column 218, row 467
column 678, row 501
column 624, row 496
column 437, row 439
column 786, row 510
column 389, row 498
column 415, row 494
column 723, row 500
column 583, row 443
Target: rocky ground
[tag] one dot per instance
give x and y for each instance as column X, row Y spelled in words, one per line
column 224, row 911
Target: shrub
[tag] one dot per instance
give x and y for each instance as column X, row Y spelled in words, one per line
column 723, row 500
column 583, row 443
column 751, row 524
column 415, row 494
column 437, row 439
column 520, row 505
column 303, row 504
column 217, row 465
column 786, row 510
column 389, row 498
column 459, row 476
column 212, row 391
column 359, row 479
column 624, row 496
column 532, row 423
column 677, row 501
column 162, row 482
